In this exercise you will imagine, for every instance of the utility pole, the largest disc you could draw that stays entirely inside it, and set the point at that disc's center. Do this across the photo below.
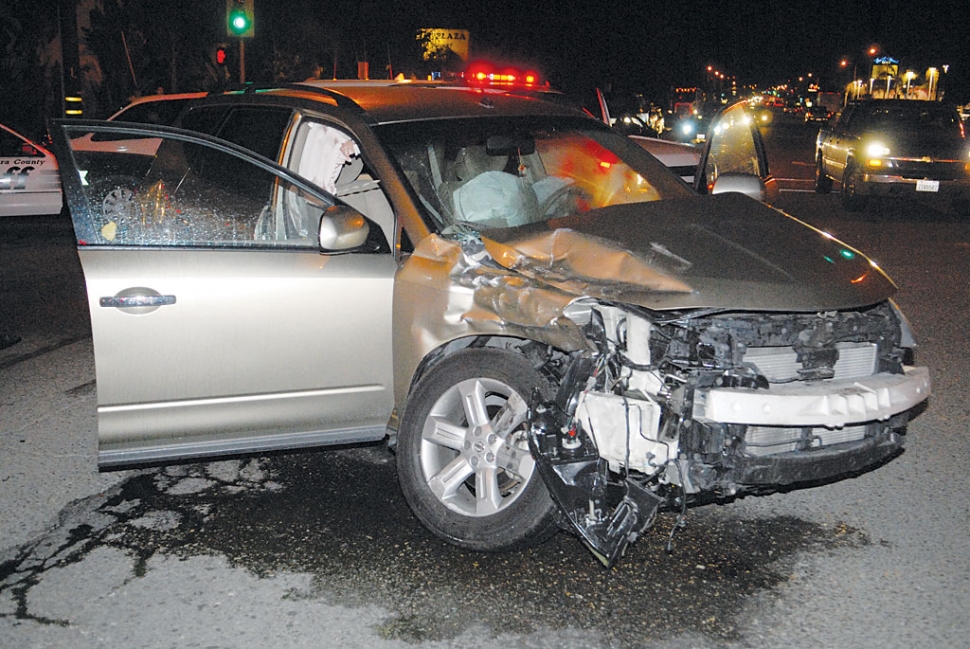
(71, 101)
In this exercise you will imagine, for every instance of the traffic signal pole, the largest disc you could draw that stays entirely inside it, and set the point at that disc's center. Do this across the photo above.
(240, 23)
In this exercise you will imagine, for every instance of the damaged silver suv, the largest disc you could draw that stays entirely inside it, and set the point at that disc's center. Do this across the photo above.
(550, 328)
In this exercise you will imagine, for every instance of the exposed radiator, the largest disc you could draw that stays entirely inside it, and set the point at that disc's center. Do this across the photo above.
(769, 440)
(780, 363)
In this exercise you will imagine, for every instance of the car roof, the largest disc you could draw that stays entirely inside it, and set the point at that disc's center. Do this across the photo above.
(179, 98)
(390, 101)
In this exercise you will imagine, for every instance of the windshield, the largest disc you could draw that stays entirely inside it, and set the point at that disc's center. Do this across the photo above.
(915, 116)
(502, 172)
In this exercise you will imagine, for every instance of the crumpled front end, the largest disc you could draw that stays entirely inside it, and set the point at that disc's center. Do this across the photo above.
(686, 407)
(659, 408)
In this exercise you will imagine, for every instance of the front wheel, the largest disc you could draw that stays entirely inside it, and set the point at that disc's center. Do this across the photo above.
(852, 201)
(823, 184)
(463, 457)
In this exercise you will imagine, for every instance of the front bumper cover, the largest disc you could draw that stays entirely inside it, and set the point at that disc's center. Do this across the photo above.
(888, 185)
(831, 403)
(817, 465)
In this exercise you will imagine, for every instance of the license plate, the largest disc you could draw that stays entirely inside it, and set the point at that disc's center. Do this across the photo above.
(927, 185)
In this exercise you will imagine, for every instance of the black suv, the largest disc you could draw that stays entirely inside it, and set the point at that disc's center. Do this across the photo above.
(550, 327)
(895, 148)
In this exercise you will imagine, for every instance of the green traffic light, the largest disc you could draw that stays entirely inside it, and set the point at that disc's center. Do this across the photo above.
(239, 21)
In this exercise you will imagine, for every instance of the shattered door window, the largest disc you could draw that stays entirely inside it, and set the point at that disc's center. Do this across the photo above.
(192, 194)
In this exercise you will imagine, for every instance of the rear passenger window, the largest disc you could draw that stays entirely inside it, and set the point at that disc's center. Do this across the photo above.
(260, 129)
(206, 120)
(227, 172)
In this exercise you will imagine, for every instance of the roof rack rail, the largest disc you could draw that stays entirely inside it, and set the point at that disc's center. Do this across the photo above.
(343, 101)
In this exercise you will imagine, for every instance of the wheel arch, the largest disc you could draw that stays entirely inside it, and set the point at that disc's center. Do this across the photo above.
(514, 344)
(482, 493)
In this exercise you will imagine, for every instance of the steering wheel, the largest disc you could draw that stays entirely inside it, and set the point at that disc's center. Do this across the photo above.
(572, 190)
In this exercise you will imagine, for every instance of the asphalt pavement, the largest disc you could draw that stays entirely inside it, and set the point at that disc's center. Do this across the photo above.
(319, 550)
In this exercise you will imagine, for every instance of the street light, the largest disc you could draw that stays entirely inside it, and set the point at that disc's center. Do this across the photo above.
(931, 75)
(909, 76)
(853, 60)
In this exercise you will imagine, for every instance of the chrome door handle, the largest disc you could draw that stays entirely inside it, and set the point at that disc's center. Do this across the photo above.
(135, 301)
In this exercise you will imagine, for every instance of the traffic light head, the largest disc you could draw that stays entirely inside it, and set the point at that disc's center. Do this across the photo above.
(239, 18)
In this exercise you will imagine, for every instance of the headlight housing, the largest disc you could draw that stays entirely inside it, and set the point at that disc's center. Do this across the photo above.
(877, 150)
(877, 155)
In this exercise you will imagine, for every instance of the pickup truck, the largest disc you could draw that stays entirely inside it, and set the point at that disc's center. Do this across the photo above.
(898, 148)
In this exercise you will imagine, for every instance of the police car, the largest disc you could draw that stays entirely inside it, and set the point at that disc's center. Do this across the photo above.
(29, 180)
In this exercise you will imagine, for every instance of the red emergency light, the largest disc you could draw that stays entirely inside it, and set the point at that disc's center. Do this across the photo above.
(485, 75)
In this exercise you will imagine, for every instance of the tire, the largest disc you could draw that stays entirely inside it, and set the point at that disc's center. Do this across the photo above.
(851, 200)
(443, 468)
(823, 184)
(113, 201)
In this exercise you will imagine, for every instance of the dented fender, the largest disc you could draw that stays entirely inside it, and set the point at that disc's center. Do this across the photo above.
(446, 290)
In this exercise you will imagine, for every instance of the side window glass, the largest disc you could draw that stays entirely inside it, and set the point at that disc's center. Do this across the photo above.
(732, 147)
(259, 129)
(195, 195)
(846, 120)
(12, 146)
(161, 112)
(206, 119)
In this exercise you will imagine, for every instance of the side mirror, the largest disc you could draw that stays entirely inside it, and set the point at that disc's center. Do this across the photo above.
(747, 184)
(343, 228)
(734, 157)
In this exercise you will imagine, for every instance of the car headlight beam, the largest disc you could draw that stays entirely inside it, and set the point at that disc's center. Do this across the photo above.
(877, 150)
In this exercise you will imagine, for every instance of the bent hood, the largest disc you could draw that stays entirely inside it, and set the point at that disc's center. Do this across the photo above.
(726, 251)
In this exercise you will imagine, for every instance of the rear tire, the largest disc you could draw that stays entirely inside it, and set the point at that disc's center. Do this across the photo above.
(851, 200)
(466, 471)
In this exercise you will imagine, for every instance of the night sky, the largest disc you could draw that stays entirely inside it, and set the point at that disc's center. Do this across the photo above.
(649, 46)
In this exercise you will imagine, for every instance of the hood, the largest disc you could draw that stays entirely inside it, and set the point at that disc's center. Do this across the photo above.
(726, 251)
(932, 144)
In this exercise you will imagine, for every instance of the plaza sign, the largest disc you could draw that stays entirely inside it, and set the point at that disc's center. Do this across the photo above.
(438, 39)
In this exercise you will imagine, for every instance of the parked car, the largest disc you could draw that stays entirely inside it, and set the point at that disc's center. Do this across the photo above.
(151, 109)
(114, 190)
(29, 181)
(900, 148)
(818, 114)
(547, 325)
